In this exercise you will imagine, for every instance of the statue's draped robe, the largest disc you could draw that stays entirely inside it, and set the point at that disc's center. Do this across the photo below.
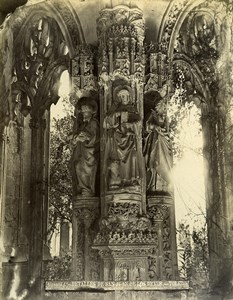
(85, 157)
(122, 143)
(157, 152)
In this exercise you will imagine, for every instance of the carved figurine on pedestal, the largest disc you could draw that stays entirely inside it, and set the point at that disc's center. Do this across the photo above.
(157, 151)
(85, 156)
(122, 149)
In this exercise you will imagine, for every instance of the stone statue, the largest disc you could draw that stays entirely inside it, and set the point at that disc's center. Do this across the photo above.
(122, 146)
(85, 156)
(157, 151)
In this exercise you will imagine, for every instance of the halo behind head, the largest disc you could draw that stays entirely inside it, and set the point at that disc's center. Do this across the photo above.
(123, 92)
(123, 89)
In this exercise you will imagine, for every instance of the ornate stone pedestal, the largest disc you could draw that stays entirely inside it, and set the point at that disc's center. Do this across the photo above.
(160, 210)
(85, 260)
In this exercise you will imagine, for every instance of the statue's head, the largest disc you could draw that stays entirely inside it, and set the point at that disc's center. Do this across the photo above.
(124, 97)
(87, 110)
(161, 108)
(86, 106)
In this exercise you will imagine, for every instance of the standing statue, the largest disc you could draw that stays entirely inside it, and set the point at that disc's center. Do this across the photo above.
(157, 151)
(85, 156)
(122, 153)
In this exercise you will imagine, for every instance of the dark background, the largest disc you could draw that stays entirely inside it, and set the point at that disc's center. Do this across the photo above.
(8, 6)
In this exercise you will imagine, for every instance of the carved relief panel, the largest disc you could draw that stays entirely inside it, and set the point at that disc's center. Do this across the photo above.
(86, 261)
(162, 262)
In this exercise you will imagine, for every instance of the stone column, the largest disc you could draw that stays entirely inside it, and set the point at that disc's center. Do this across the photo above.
(85, 260)
(64, 238)
(158, 158)
(37, 206)
(85, 166)
(213, 202)
(121, 73)
(225, 142)
(126, 237)
(3, 159)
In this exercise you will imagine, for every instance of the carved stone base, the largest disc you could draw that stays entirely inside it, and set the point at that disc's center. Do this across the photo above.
(85, 260)
(110, 290)
(125, 263)
(163, 262)
(124, 245)
(116, 286)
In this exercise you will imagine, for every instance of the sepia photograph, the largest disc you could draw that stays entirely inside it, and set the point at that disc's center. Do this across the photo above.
(116, 150)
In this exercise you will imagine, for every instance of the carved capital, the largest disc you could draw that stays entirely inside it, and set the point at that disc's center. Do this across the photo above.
(4, 137)
(121, 20)
(86, 215)
(211, 117)
(36, 123)
(158, 212)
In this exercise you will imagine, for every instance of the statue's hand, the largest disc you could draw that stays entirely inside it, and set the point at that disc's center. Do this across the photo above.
(82, 137)
(124, 117)
(130, 133)
(117, 114)
(74, 140)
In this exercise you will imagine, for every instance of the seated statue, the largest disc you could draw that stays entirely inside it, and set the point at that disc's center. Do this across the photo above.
(85, 157)
(122, 148)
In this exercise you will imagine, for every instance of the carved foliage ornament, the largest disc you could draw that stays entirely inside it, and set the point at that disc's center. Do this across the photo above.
(79, 254)
(40, 57)
(70, 19)
(170, 21)
(159, 73)
(128, 19)
(158, 212)
(119, 224)
(121, 34)
(200, 44)
(82, 69)
(188, 79)
(86, 214)
(126, 209)
(141, 251)
(126, 237)
(167, 265)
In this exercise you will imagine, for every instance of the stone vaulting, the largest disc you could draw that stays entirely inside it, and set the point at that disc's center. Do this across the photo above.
(126, 60)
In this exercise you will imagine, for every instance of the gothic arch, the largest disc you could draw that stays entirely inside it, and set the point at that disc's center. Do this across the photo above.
(62, 13)
(44, 40)
(23, 21)
(190, 19)
(172, 21)
(196, 77)
(199, 22)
